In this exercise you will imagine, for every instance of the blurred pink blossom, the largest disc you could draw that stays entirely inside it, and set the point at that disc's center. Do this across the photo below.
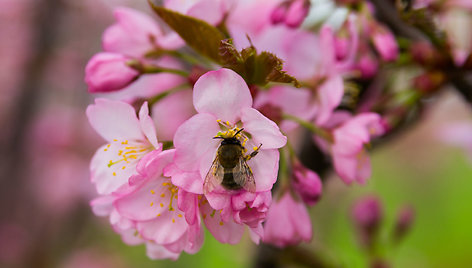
(306, 183)
(350, 158)
(288, 222)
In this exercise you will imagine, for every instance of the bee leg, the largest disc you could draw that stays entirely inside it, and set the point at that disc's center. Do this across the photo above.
(254, 153)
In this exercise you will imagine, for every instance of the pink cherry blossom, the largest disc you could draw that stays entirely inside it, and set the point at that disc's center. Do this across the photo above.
(135, 34)
(107, 72)
(288, 222)
(147, 210)
(129, 139)
(223, 102)
(350, 159)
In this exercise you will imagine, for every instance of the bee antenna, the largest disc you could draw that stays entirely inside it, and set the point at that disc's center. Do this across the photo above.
(218, 137)
(238, 132)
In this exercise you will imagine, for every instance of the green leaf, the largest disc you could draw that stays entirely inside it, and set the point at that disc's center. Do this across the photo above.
(258, 69)
(198, 34)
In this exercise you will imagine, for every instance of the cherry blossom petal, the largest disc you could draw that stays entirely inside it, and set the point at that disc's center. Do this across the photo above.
(222, 93)
(147, 124)
(194, 138)
(330, 94)
(131, 34)
(265, 166)
(114, 120)
(165, 229)
(225, 232)
(262, 129)
(157, 252)
(190, 181)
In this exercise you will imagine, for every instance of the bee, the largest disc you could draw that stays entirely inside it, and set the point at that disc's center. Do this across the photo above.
(230, 169)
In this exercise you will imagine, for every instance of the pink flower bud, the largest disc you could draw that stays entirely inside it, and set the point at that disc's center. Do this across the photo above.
(107, 72)
(403, 223)
(385, 43)
(367, 215)
(296, 13)
(307, 183)
(278, 14)
(368, 66)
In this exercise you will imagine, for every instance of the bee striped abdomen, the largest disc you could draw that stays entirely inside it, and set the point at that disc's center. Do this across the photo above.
(229, 182)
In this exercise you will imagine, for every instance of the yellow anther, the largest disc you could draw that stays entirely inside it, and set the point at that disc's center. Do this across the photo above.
(152, 204)
(105, 149)
(108, 145)
(163, 195)
(120, 152)
(221, 223)
(158, 215)
(123, 167)
(124, 142)
(213, 213)
(180, 216)
(115, 140)
(114, 173)
(162, 205)
(204, 216)
(218, 120)
(153, 192)
(227, 122)
(165, 183)
(255, 148)
(173, 220)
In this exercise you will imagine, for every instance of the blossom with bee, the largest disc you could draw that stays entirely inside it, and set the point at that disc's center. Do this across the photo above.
(129, 139)
(224, 105)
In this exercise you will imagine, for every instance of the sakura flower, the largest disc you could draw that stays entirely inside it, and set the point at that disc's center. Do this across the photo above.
(351, 161)
(147, 210)
(154, 207)
(129, 139)
(288, 222)
(108, 72)
(135, 34)
(223, 102)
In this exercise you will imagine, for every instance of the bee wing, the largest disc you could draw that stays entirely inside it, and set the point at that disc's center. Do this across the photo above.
(214, 176)
(243, 176)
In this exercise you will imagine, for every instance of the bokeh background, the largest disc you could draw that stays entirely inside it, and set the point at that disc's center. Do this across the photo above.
(46, 145)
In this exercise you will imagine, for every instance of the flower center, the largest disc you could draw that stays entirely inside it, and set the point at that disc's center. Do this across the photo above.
(125, 153)
(163, 196)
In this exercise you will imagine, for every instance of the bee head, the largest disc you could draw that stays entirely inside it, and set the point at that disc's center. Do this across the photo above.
(223, 136)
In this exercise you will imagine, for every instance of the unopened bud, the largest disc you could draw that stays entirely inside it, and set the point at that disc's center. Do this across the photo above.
(367, 214)
(306, 183)
(297, 13)
(403, 223)
(107, 72)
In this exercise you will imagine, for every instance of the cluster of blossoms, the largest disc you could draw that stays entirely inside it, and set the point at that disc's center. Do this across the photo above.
(162, 175)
